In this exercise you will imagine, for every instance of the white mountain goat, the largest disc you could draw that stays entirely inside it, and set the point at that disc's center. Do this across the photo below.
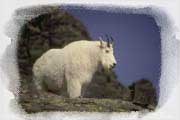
(75, 64)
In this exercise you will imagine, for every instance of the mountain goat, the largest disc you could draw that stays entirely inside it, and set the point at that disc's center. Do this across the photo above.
(75, 64)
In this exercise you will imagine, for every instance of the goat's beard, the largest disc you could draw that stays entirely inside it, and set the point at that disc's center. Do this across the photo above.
(106, 70)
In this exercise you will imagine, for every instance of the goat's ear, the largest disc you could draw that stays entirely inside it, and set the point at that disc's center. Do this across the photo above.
(101, 42)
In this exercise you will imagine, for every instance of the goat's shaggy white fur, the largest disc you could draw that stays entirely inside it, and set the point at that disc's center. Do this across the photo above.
(75, 64)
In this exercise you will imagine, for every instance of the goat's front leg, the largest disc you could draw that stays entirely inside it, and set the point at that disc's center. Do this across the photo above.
(74, 88)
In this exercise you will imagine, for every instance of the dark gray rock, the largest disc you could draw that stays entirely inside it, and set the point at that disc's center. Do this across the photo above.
(143, 93)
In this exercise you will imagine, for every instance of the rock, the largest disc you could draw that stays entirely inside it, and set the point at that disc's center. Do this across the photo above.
(80, 105)
(143, 93)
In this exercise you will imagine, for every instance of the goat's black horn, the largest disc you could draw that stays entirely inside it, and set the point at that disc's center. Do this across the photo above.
(112, 40)
(108, 42)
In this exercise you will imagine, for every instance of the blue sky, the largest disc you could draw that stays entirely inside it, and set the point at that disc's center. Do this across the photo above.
(137, 41)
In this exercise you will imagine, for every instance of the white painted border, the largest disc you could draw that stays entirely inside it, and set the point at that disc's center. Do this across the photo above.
(169, 80)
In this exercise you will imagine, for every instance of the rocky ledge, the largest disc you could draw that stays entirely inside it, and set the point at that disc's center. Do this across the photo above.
(80, 104)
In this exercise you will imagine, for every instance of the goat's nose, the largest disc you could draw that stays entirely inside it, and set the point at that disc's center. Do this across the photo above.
(114, 64)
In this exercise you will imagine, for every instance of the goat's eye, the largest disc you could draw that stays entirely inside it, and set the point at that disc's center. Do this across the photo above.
(107, 51)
